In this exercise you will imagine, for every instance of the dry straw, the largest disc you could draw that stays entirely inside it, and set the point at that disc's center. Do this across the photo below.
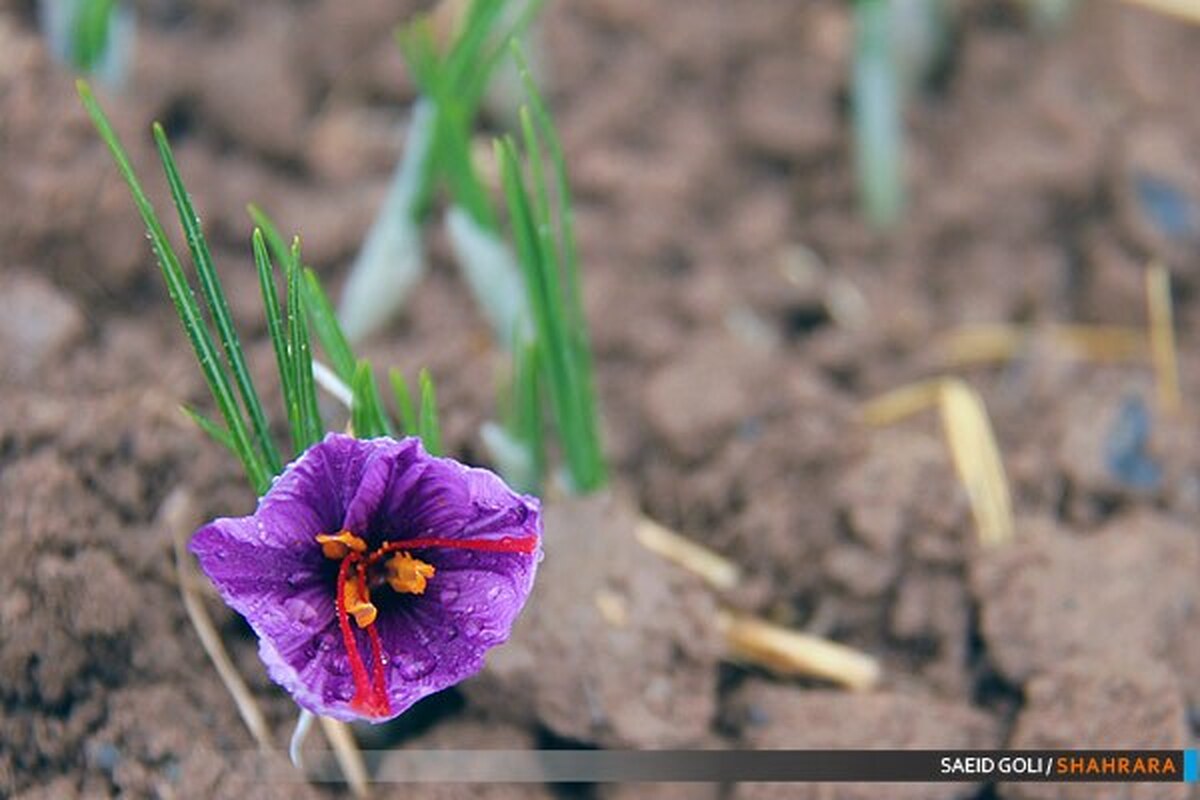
(972, 443)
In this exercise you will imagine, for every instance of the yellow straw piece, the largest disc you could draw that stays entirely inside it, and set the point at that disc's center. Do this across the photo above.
(794, 654)
(977, 460)
(1101, 342)
(991, 343)
(1162, 337)
(716, 570)
(976, 344)
(348, 756)
(900, 403)
(1186, 10)
(972, 444)
(178, 515)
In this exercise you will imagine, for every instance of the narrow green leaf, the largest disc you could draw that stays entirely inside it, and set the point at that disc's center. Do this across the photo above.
(90, 32)
(404, 403)
(320, 310)
(185, 303)
(218, 305)
(487, 64)
(278, 332)
(214, 431)
(566, 216)
(278, 246)
(329, 330)
(526, 422)
(301, 353)
(366, 412)
(428, 427)
(544, 305)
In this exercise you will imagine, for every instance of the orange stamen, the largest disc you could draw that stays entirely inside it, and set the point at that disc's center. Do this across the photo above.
(337, 546)
(358, 602)
(408, 575)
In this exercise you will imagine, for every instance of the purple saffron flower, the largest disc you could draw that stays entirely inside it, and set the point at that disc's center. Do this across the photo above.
(375, 574)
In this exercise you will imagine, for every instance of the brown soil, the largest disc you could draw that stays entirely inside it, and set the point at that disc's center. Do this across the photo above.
(741, 313)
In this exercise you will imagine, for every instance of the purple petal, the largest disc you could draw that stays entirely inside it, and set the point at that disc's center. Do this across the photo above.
(393, 470)
(313, 493)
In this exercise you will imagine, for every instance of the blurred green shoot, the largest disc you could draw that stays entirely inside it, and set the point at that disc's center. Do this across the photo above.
(451, 81)
(244, 428)
(878, 128)
(454, 80)
(518, 445)
(898, 46)
(89, 33)
(93, 36)
(423, 421)
(542, 223)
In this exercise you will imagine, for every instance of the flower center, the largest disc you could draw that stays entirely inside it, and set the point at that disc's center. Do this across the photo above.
(406, 575)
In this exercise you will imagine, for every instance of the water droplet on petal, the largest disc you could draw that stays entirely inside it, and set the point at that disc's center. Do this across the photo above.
(297, 578)
(300, 610)
(471, 627)
(415, 667)
(448, 594)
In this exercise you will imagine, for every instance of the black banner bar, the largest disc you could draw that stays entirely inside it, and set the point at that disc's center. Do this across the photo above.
(730, 766)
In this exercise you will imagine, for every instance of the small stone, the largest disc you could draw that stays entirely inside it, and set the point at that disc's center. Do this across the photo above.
(38, 323)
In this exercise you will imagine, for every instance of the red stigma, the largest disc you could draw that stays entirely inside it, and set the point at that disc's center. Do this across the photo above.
(370, 700)
(505, 544)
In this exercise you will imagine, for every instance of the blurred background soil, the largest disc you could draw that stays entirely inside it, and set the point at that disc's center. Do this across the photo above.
(741, 313)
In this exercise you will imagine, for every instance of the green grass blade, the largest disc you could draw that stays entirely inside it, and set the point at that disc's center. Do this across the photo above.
(280, 251)
(366, 412)
(404, 403)
(542, 304)
(526, 422)
(218, 305)
(329, 330)
(428, 427)
(278, 333)
(477, 83)
(568, 252)
(320, 310)
(214, 431)
(185, 303)
(301, 352)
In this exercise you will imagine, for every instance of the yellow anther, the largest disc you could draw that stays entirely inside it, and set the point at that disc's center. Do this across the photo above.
(408, 575)
(363, 611)
(338, 545)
